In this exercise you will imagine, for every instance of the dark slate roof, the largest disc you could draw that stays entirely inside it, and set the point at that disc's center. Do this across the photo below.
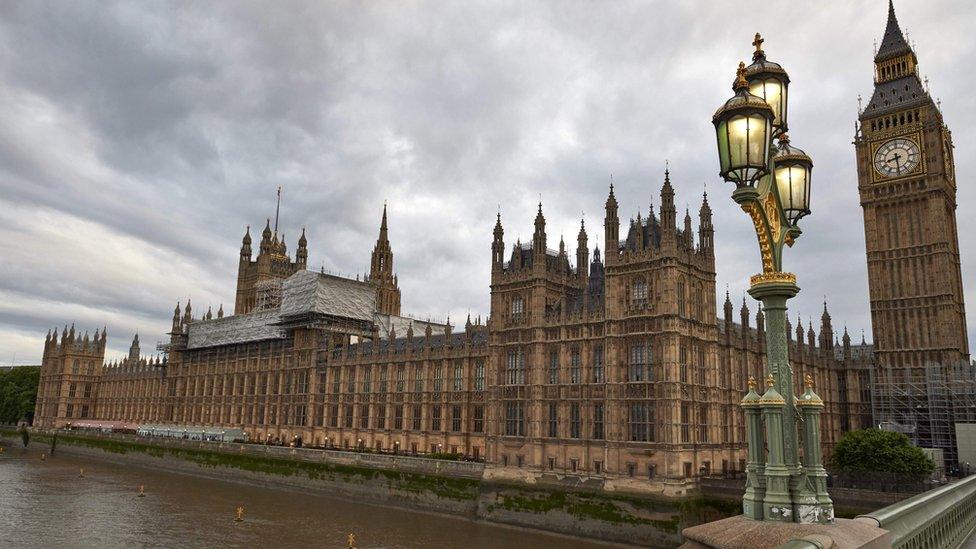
(893, 42)
(309, 292)
(898, 94)
(479, 337)
(256, 326)
(401, 324)
(651, 233)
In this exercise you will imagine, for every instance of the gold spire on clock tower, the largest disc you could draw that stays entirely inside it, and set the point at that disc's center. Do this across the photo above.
(907, 188)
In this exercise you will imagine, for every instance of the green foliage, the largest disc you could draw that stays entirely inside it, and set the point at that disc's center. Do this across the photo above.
(18, 392)
(877, 451)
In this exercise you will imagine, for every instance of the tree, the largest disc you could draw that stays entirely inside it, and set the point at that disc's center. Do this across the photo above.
(18, 393)
(874, 450)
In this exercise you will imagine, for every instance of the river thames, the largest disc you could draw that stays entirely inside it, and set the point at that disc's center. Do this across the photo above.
(47, 504)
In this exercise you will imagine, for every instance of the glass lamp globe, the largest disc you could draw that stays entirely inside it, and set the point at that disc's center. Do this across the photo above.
(792, 169)
(743, 127)
(769, 81)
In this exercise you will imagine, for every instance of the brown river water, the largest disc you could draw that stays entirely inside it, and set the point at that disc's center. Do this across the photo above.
(46, 504)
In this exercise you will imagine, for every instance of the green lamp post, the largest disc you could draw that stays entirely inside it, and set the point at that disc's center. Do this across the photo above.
(772, 185)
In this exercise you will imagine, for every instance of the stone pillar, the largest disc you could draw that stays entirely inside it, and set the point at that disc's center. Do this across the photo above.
(813, 504)
(752, 501)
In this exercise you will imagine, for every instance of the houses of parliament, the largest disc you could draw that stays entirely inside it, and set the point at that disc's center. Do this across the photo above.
(621, 366)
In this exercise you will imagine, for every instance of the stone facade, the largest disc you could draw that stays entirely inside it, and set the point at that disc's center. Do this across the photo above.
(907, 185)
(619, 370)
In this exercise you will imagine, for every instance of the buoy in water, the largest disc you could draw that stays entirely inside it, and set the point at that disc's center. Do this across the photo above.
(81, 473)
(240, 515)
(142, 491)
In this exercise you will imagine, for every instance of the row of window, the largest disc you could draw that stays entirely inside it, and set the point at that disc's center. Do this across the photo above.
(639, 367)
(437, 384)
(640, 422)
(435, 421)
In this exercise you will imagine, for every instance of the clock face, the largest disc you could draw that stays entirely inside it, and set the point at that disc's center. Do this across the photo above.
(897, 157)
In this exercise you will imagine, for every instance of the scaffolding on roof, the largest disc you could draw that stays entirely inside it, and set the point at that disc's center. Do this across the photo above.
(925, 404)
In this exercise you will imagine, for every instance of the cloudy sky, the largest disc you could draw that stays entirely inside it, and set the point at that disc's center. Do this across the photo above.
(137, 140)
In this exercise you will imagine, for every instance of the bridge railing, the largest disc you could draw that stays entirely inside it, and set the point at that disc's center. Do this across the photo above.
(943, 517)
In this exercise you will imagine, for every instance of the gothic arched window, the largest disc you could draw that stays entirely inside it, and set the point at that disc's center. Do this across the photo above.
(681, 297)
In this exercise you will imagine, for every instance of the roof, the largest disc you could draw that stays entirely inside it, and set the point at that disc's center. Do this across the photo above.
(893, 42)
(479, 337)
(303, 293)
(229, 330)
(308, 292)
(401, 324)
(902, 93)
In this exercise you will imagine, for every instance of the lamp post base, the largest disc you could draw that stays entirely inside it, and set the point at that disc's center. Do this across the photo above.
(740, 532)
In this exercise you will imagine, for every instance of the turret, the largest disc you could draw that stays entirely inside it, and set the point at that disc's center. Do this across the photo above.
(177, 322)
(246, 245)
(744, 317)
(266, 239)
(826, 331)
(799, 331)
(301, 254)
(688, 233)
(668, 212)
(847, 344)
(595, 283)
(381, 272)
(187, 314)
(134, 349)
(220, 311)
(611, 229)
(539, 239)
(706, 232)
(498, 245)
(582, 252)
(728, 309)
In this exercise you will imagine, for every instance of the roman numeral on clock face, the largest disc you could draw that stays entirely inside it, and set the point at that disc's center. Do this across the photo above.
(897, 157)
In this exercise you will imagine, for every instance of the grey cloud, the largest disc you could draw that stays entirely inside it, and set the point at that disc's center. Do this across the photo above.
(157, 132)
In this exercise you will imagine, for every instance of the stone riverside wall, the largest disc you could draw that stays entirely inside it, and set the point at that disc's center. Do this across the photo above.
(848, 502)
(452, 487)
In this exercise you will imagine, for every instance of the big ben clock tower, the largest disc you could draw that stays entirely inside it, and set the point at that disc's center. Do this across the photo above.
(907, 186)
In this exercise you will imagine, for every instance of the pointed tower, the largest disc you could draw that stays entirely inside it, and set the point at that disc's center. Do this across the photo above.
(539, 239)
(688, 233)
(706, 232)
(381, 273)
(669, 215)
(177, 321)
(498, 246)
(134, 349)
(266, 239)
(826, 331)
(246, 246)
(907, 186)
(582, 252)
(611, 230)
(301, 254)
